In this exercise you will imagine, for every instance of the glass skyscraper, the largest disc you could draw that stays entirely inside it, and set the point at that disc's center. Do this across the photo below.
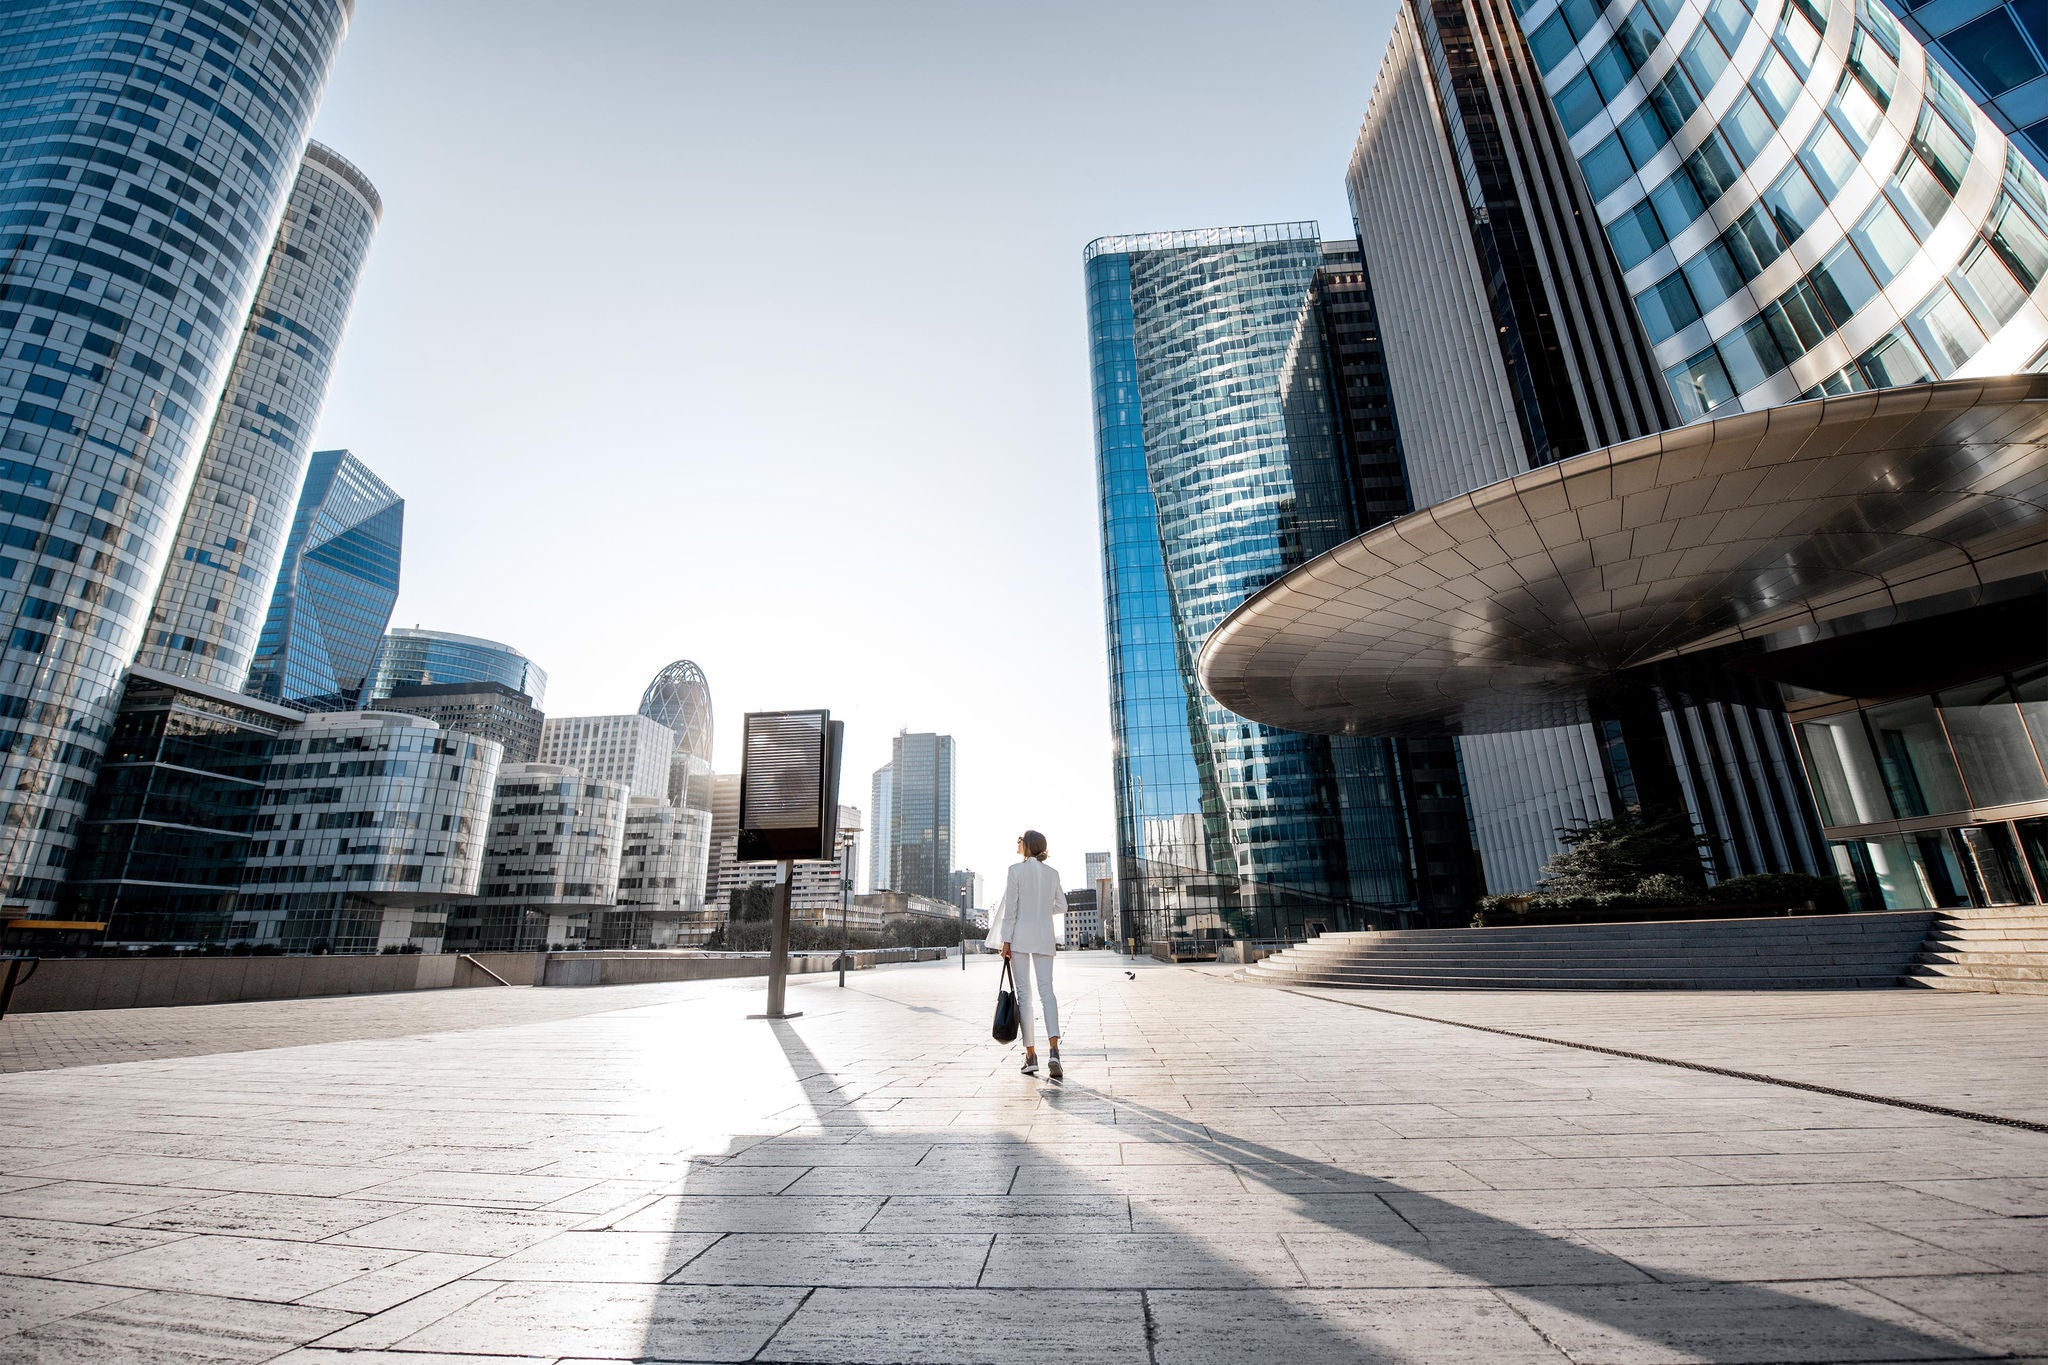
(411, 657)
(921, 815)
(146, 154)
(225, 560)
(1222, 823)
(336, 589)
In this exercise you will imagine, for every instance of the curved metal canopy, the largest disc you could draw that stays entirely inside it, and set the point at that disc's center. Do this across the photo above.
(1498, 610)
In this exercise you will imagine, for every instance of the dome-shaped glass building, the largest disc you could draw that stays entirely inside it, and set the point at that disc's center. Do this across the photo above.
(680, 698)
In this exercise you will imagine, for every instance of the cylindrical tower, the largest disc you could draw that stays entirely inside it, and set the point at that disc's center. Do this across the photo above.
(217, 585)
(411, 657)
(146, 166)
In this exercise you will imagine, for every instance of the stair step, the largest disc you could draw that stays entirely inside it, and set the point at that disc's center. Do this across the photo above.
(1977, 985)
(1989, 971)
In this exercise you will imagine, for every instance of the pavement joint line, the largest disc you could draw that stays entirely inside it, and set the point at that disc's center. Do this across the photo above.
(1972, 1115)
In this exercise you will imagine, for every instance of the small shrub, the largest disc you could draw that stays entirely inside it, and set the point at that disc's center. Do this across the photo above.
(1789, 889)
(1665, 889)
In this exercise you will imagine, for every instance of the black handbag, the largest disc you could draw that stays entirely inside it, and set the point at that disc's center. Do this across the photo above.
(1005, 1028)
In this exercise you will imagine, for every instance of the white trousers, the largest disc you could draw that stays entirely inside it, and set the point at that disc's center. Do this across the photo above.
(1027, 968)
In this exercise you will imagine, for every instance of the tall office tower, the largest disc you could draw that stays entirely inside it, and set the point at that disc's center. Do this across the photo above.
(965, 888)
(225, 559)
(680, 698)
(881, 830)
(1998, 54)
(1203, 500)
(921, 814)
(335, 590)
(487, 710)
(409, 656)
(143, 199)
(631, 750)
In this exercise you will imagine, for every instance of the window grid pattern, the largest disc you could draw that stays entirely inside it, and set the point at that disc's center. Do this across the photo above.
(147, 155)
(1787, 227)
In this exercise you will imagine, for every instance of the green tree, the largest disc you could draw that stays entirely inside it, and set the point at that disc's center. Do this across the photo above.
(751, 903)
(1614, 857)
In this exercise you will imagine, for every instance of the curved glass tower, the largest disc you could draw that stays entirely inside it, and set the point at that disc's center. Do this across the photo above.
(1206, 498)
(410, 657)
(231, 540)
(148, 152)
(1802, 202)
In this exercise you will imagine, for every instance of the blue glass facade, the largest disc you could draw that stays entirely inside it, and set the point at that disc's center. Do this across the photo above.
(410, 657)
(146, 152)
(1998, 52)
(1221, 823)
(336, 590)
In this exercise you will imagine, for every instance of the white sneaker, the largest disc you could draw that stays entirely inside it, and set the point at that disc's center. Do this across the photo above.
(1030, 1067)
(1053, 1068)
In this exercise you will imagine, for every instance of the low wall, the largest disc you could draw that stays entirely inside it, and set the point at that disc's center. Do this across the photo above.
(115, 983)
(634, 968)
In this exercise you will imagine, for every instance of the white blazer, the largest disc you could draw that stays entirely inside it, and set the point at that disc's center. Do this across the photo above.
(1023, 918)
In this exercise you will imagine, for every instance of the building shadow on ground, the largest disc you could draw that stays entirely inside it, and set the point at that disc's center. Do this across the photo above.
(1310, 1263)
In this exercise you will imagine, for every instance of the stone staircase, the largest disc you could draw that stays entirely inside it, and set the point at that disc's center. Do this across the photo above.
(2002, 950)
(1804, 952)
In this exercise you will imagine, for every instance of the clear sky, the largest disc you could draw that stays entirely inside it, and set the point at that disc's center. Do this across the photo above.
(753, 332)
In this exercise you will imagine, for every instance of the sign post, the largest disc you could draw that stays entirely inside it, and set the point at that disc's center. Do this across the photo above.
(789, 812)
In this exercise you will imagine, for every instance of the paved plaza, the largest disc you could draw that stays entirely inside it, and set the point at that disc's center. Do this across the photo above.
(1230, 1173)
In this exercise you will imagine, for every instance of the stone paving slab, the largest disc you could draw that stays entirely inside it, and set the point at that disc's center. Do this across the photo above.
(1230, 1173)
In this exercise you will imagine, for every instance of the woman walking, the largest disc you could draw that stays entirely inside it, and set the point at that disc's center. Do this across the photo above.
(1023, 925)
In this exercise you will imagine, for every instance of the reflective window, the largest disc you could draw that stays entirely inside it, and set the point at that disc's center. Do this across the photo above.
(1913, 754)
(2031, 690)
(1606, 168)
(1945, 153)
(1997, 759)
(1793, 203)
(1886, 245)
(1677, 202)
(1875, 68)
(1714, 277)
(2020, 242)
(1799, 39)
(1552, 42)
(1829, 159)
(1893, 361)
(1579, 102)
(1843, 770)
(1751, 355)
(1699, 385)
(1882, 874)
(1635, 235)
(1943, 90)
(1704, 60)
(1776, 85)
(1747, 129)
(1919, 196)
(1843, 284)
(1855, 113)
(1729, 20)
(1987, 288)
(1611, 69)
(1989, 48)
(1947, 334)
(1667, 307)
(1991, 865)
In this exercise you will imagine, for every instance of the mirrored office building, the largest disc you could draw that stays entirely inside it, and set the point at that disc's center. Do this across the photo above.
(410, 656)
(144, 200)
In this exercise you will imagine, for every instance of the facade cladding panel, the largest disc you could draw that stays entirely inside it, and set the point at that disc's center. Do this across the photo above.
(1998, 53)
(410, 656)
(1215, 478)
(335, 590)
(230, 543)
(551, 862)
(366, 819)
(921, 814)
(1804, 203)
(139, 207)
